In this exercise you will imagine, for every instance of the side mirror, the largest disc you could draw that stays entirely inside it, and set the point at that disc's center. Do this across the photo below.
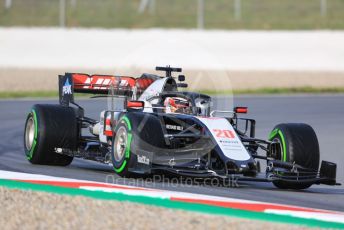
(135, 104)
(181, 78)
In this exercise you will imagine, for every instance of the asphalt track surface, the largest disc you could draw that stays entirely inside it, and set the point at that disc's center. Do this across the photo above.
(324, 112)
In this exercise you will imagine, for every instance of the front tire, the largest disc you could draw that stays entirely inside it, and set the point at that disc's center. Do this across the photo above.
(48, 127)
(125, 149)
(299, 144)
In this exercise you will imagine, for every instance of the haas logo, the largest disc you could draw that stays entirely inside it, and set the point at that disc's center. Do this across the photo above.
(221, 133)
(67, 88)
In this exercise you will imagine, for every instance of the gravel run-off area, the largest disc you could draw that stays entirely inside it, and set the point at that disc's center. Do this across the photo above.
(42, 210)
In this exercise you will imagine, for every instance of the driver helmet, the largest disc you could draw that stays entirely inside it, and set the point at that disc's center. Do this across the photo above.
(177, 105)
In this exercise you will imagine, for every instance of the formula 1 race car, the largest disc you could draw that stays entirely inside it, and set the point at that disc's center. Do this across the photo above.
(154, 126)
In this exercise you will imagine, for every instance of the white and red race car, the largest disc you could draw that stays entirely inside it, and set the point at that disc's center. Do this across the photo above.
(153, 126)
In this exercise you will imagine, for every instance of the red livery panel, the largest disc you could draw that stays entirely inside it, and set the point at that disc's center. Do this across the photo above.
(84, 83)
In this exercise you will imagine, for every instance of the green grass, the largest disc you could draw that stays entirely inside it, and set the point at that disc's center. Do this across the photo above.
(219, 14)
(37, 94)
(299, 90)
(28, 94)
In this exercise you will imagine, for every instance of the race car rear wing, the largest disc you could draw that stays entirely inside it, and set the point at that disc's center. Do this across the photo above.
(71, 83)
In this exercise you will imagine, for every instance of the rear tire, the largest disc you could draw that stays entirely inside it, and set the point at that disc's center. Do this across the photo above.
(48, 127)
(299, 144)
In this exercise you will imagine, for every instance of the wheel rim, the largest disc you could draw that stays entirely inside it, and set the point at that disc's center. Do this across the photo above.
(281, 148)
(29, 133)
(120, 144)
